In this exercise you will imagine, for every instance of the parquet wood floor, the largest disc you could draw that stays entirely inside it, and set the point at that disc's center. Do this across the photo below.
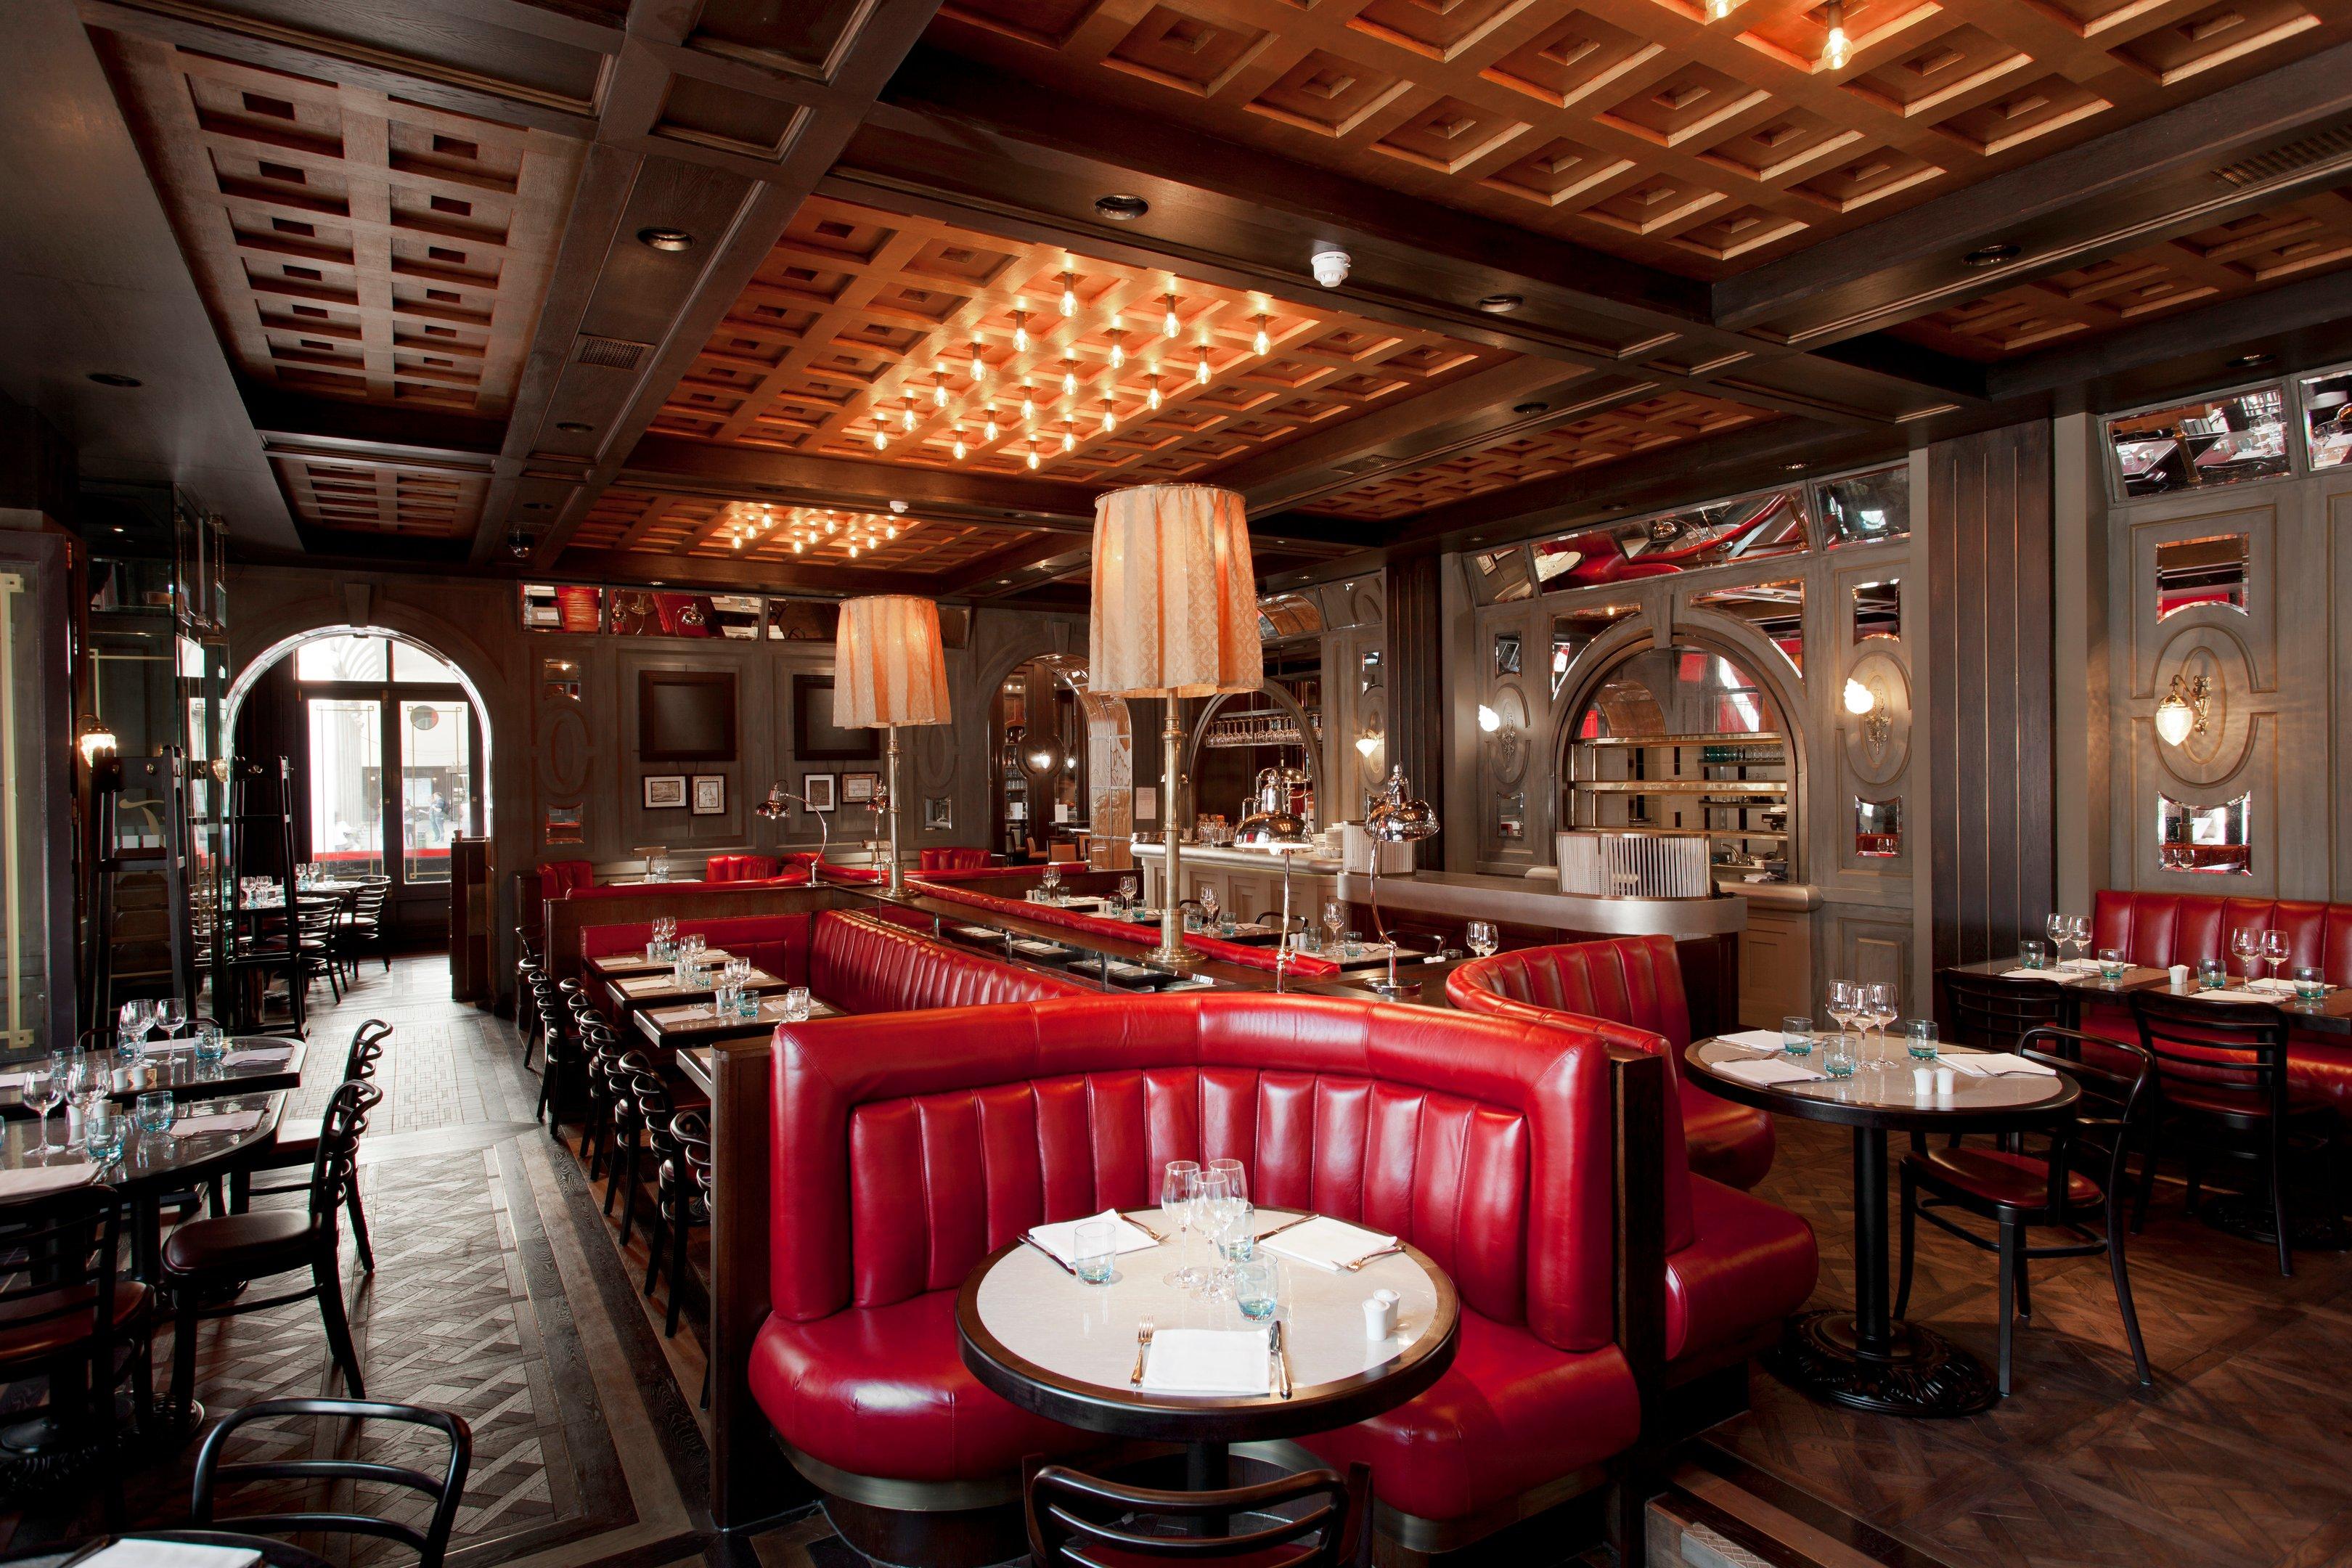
(2234, 1457)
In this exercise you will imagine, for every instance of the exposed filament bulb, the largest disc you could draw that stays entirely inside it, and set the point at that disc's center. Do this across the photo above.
(1033, 454)
(1021, 332)
(906, 417)
(939, 393)
(979, 365)
(1069, 379)
(1835, 49)
(1111, 419)
(1153, 399)
(1168, 325)
(1118, 352)
(881, 442)
(959, 444)
(1069, 295)
(990, 425)
(1201, 371)
(1069, 438)
(1261, 343)
(1717, 10)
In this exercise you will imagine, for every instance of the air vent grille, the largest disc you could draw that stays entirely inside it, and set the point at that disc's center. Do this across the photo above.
(614, 353)
(2288, 159)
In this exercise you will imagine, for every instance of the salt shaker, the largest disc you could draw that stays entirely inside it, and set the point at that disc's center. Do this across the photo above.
(1381, 1315)
(1944, 1080)
(2180, 975)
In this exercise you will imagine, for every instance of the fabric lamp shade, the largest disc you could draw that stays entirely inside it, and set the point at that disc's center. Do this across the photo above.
(1175, 595)
(888, 664)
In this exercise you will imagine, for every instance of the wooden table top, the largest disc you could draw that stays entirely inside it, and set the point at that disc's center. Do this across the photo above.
(2330, 1015)
(693, 1023)
(189, 1078)
(641, 991)
(1889, 1098)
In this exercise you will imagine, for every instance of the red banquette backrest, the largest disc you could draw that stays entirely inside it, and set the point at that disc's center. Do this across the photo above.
(911, 1146)
(2163, 928)
(741, 867)
(777, 943)
(864, 964)
(956, 859)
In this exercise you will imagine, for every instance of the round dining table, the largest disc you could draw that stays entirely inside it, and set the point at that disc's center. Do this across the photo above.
(1051, 1343)
(1865, 1358)
(274, 1552)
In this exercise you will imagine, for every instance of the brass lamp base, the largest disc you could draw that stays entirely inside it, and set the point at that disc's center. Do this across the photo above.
(1171, 958)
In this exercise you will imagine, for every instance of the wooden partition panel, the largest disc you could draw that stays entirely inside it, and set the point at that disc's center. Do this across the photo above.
(1418, 694)
(1991, 711)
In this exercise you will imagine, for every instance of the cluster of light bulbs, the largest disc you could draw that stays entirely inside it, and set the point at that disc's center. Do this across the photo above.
(1836, 49)
(807, 528)
(1171, 326)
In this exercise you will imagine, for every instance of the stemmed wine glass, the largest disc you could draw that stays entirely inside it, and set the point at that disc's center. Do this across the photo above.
(135, 1017)
(1879, 1008)
(1179, 1195)
(1845, 1004)
(86, 1084)
(171, 1015)
(1335, 918)
(2078, 931)
(2275, 951)
(1127, 888)
(1226, 1187)
(2246, 944)
(2060, 931)
(1481, 938)
(44, 1086)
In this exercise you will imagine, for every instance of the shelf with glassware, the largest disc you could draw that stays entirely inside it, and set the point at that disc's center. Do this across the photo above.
(1731, 789)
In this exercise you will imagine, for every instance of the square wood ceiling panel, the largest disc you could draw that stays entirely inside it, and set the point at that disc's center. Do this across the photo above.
(1666, 420)
(701, 526)
(2241, 256)
(350, 244)
(894, 338)
(416, 500)
(1640, 127)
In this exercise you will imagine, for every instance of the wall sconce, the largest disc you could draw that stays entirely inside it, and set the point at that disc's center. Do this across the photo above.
(1367, 744)
(96, 740)
(1488, 719)
(1862, 703)
(2182, 712)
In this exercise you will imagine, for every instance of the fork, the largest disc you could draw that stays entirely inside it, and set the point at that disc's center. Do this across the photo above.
(1142, 1348)
(1369, 1257)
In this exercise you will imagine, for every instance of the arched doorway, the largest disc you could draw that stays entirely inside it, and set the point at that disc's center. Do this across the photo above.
(388, 752)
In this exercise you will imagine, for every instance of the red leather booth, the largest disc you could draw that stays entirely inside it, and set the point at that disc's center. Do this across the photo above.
(2160, 930)
(1634, 980)
(742, 867)
(956, 859)
(908, 1148)
(558, 877)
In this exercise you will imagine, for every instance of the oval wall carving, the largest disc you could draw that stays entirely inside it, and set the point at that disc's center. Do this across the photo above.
(2217, 750)
(1877, 743)
(563, 749)
(1509, 744)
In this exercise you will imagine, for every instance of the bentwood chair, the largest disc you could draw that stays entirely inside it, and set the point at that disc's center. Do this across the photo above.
(1993, 1015)
(681, 1151)
(361, 928)
(1077, 1521)
(207, 1259)
(65, 1314)
(2017, 1191)
(431, 1544)
(2222, 1089)
(294, 1150)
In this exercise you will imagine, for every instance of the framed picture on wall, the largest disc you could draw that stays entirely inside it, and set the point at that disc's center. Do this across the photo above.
(858, 789)
(939, 813)
(665, 792)
(817, 789)
(815, 737)
(686, 716)
(709, 795)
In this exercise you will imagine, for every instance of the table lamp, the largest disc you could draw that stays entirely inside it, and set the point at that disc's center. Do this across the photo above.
(1276, 829)
(1174, 615)
(780, 801)
(1398, 818)
(889, 668)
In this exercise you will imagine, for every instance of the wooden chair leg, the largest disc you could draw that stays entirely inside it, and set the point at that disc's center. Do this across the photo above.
(2278, 1195)
(184, 1345)
(655, 1233)
(681, 1228)
(2123, 1291)
(1910, 1233)
(359, 1226)
(329, 1281)
(2009, 1249)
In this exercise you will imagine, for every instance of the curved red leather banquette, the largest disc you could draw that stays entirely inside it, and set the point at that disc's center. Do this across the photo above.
(558, 877)
(908, 1148)
(1635, 979)
(741, 867)
(2160, 930)
(956, 859)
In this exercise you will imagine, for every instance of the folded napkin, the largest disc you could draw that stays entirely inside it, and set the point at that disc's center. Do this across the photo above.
(2280, 987)
(132, 1551)
(1995, 1064)
(2080, 965)
(1767, 1072)
(1061, 1240)
(1326, 1243)
(1752, 1039)
(1209, 1360)
(2233, 996)
(217, 1122)
(2033, 973)
(39, 1181)
(258, 1055)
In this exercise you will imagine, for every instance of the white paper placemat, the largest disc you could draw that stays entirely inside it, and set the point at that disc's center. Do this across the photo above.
(1326, 1243)
(1752, 1039)
(1768, 1072)
(37, 1181)
(217, 1122)
(1209, 1360)
(1995, 1064)
(1062, 1239)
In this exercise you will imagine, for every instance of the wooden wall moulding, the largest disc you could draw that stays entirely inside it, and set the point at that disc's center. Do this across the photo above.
(1639, 127)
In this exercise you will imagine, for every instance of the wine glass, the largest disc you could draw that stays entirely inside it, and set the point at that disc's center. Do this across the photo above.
(86, 1081)
(2274, 951)
(136, 1017)
(44, 1086)
(1180, 1187)
(1335, 918)
(1128, 889)
(2078, 931)
(171, 1015)
(2246, 945)
(1481, 938)
(2059, 930)
(1052, 879)
(1845, 1004)
(1878, 998)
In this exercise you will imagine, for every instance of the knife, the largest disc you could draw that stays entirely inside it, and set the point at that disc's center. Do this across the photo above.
(1285, 1224)
(1049, 1252)
(1281, 1360)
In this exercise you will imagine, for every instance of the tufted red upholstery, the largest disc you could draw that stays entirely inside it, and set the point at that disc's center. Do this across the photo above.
(1635, 979)
(741, 867)
(956, 859)
(861, 964)
(1734, 1265)
(558, 877)
(910, 1147)
(2163, 928)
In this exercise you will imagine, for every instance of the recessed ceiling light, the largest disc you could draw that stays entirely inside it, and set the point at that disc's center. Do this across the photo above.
(666, 238)
(899, 507)
(1993, 254)
(114, 378)
(1500, 304)
(2247, 361)
(1529, 407)
(1121, 208)
(573, 427)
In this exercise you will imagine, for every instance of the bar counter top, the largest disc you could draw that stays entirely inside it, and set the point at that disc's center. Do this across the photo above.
(1531, 901)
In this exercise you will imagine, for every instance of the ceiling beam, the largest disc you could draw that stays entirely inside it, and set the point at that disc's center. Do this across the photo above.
(637, 567)
(2131, 187)
(1028, 562)
(2199, 340)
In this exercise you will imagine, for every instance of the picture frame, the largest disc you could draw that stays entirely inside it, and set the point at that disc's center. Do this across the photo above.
(665, 792)
(939, 813)
(686, 716)
(858, 789)
(709, 795)
(817, 789)
(815, 738)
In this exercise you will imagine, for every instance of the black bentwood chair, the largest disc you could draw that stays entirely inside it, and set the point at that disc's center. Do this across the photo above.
(2017, 1190)
(1077, 1521)
(430, 1544)
(294, 1150)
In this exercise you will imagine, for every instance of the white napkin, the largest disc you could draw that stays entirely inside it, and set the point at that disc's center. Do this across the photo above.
(1995, 1064)
(2231, 996)
(1752, 1039)
(39, 1181)
(2282, 987)
(218, 1121)
(134, 1552)
(11, 1081)
(1326, 1243)
(1209, 1360)
(1767, 1072)
(2080, 965)
(1061, 1240)
(2031, 974)
(255, 1056)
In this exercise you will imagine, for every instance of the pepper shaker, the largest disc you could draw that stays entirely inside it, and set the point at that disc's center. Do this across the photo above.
(1381, 1315)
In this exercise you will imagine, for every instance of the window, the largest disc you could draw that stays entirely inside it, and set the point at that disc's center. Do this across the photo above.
(2328, 418)
(1865, 509)
(1573, 630)
(1776, 611)
(1753, 527)
(2210, 840)
(1877, 610)
(343, 659)
(2217, 441)
(2193, 572)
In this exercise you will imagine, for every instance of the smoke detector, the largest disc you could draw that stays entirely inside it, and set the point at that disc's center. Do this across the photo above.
(1330, 268)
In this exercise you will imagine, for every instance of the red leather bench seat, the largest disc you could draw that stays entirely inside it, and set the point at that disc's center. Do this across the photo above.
(955, 859)
(2160, 930)
(742, 868)
(909, 1148)
(1626, 980)
(862, 964)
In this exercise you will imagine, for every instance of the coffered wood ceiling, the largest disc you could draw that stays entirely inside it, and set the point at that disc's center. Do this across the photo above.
(1606, 254)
